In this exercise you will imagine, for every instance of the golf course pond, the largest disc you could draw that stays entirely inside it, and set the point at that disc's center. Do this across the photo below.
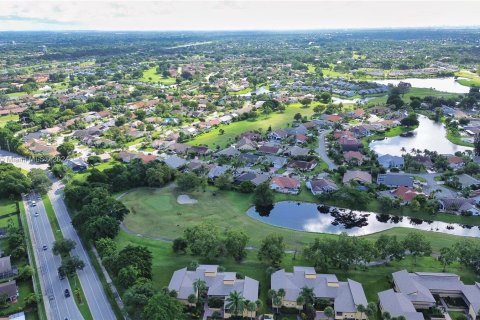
(312, 217)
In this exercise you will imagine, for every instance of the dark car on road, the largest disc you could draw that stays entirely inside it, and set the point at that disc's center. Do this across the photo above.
(67, 293)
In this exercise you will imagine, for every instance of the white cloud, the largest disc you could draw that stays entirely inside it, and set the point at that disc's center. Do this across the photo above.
(234, 15)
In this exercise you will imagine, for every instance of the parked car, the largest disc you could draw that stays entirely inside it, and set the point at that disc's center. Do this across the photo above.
(67, 293)
(44, 248)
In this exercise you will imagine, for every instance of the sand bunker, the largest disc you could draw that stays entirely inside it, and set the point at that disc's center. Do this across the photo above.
(185, 199)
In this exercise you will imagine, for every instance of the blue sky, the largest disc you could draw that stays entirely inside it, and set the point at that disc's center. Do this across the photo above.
(234, 15)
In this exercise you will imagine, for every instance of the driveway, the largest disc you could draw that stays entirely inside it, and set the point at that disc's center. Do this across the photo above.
(322, 150)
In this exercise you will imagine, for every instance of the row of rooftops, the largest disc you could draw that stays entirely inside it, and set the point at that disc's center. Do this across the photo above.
(416, 291)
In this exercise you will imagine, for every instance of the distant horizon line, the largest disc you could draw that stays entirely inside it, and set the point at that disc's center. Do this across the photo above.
(259, 30)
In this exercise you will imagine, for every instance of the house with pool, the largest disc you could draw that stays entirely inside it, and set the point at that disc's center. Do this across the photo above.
(423, 290)
(219, 286)
(343, 296)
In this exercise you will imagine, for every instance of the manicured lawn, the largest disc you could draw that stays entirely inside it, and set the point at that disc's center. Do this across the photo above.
(156, 213)
(234, 129)
(415, 92)
(7, 206)
(473, 79)
(151, 75)
(374, 279)
(5, 119)
(457, 139)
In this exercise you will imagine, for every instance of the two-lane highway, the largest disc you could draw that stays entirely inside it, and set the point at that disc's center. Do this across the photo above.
(61, 307)
(92, 287)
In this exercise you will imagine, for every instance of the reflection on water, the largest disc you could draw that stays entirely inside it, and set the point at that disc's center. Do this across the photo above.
(323, 219)
(440, 84)
(429, 135)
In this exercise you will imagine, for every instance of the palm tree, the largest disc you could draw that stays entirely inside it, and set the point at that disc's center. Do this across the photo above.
(252, 308)
(272, 293)
(386, 315)
(235, 303)
(361, 308)
(403, 149)
(199, 286)
(300, 302)
(281, 293)
(328, 312)
(277, 302)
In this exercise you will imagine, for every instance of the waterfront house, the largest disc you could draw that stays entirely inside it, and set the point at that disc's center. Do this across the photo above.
(388, 161)
(322, 185)
(285, 185)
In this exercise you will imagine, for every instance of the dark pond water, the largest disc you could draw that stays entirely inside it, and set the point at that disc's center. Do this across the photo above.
(313, 217)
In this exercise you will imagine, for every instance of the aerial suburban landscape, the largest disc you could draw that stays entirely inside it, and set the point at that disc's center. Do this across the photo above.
(330, 173)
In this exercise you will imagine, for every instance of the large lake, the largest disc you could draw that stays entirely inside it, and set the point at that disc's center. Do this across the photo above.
(440, 84)
(304, 216)
(429, 135)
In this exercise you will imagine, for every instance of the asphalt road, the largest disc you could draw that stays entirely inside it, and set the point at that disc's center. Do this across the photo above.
(92, 287)
(322, 150)
(60, 307)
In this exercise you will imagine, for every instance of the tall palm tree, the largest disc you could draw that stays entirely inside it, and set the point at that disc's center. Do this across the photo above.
(281, 293)
(277, 302)
(235, 303)
(307, 293)
(199, 286)
(192, 299)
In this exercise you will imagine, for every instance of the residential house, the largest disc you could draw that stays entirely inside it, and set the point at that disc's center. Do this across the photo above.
(458, 205)
(295, 151)
(6, 269)
(302, 165)
(174, 161)
(362, 177)
(285, 185)
(277, 161)
(77, 165)
(349, 143)
(10, 289)
(300, 138)
(420, 288)
(344, 296)
(178, 148)
(455, 162)
(322, 185)
(397, 304)
(268, 149)
(253, 177)
(219, 285)
(405, 194)
(353, 156)
(228, 152)
(395, 180)
(39, 147)
(127, 156)
(246, 144)
(217, 171)
(278, 135)
(388, 161)
(467, 181)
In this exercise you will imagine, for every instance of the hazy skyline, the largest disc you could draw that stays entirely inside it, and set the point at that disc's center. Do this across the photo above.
(234, 15)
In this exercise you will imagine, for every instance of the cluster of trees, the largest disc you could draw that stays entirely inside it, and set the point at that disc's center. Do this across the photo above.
(98, 213)
(134, 174)
(13, 182)
(206, 240)
(131, 268)
(465, 252)
(346, 252)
